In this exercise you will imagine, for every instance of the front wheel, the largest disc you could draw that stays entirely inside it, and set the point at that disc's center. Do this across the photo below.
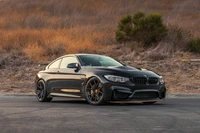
(94, 91)
(41, 92)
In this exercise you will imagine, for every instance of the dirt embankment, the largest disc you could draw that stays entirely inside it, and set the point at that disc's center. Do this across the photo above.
(181, 77)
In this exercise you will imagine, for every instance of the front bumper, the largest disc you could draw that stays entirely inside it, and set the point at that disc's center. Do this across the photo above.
(131, 92)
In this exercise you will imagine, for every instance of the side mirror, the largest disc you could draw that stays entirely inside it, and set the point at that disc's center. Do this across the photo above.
(73, 65)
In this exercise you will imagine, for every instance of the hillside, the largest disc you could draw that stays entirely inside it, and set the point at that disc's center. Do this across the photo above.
(34, 31)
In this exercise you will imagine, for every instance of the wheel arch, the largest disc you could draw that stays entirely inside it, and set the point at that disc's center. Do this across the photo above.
(92, 76)
(39, 78)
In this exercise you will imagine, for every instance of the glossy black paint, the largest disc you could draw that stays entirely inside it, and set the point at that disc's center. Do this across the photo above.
(71, 81)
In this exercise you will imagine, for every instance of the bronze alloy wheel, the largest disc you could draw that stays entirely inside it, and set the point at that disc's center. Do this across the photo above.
(94, 91)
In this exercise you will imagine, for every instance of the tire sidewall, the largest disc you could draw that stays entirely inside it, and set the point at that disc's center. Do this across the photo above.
(45, 91)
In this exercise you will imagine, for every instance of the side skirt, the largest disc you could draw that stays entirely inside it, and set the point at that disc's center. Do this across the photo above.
(64, 95)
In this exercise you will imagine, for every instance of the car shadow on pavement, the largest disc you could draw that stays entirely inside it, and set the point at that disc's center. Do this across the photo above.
(70, 101)
(84, 102)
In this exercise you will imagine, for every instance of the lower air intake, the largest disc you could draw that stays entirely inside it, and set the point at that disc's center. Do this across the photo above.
(145, 95)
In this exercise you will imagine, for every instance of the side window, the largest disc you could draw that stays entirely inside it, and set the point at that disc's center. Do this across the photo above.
(67, 60)
(55, 64)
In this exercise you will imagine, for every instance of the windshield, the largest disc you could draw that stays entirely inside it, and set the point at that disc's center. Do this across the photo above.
(98, 60)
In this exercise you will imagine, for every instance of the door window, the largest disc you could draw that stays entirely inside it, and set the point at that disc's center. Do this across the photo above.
(55, 64)
(68, 60)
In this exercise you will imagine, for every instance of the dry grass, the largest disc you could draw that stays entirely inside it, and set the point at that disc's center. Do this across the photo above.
(38, 30)
(40, 44)
(54, 27)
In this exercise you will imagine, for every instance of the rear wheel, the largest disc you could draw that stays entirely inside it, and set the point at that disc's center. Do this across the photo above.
(94, 91)
(41, 92)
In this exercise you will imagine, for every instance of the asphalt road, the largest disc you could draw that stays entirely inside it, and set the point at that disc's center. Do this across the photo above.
(23, 114)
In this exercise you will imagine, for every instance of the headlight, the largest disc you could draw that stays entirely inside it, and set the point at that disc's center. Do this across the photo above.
(116, 78)
(161, 80)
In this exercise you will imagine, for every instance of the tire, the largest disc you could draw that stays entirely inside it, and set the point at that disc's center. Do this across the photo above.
(94, 92)
(148, 103)
(41, 92)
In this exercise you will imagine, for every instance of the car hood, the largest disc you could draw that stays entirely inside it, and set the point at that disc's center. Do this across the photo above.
(126, 71)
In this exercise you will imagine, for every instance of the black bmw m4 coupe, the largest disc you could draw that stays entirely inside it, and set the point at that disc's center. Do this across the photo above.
(98, 79)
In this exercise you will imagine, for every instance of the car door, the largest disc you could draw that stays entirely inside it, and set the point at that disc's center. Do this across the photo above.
(69, 80)
(51, 75)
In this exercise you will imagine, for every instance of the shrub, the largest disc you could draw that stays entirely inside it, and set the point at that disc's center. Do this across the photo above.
(194, 45)
(175, 40)
(142, 28)
(124, 31)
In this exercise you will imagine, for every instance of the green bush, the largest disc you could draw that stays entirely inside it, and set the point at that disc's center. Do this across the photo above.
(194, 45)
(142, 28)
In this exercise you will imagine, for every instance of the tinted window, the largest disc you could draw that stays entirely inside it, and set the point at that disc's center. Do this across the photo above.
(68, 60)
(97, 60)
(55, 64)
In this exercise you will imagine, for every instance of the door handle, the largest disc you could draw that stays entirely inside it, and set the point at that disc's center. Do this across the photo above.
(58, 72)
